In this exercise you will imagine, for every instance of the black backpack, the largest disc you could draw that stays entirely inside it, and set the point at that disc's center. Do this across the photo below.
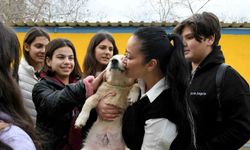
(219, 77)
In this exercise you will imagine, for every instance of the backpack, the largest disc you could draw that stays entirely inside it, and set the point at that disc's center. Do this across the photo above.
(219, 77)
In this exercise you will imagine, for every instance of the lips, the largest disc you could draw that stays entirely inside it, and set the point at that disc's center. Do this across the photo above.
(186, 51)
(41, 56)
(105, 58)
(66, 69)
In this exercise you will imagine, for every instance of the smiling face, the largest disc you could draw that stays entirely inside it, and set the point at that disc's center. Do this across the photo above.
(37, 50)
(62, 62)
(103, 52)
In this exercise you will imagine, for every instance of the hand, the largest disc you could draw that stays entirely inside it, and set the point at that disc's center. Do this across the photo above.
(107, 111)
(98, 80)
(91, 83)
(88, 85)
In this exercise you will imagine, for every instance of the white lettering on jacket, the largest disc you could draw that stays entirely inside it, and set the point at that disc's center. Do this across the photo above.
(198, 93)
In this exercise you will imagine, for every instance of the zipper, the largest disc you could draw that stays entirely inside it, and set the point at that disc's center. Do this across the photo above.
(192, 75)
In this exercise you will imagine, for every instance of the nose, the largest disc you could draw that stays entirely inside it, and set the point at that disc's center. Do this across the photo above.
(43, 49)
(67, 60)
(114, 61)
(108, 52)
(124, 61)
(184, 43)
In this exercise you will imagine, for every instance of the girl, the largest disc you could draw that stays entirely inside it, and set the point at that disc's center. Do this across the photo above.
(59, 92)
(16, 128)
(101, 48)
(34, 45)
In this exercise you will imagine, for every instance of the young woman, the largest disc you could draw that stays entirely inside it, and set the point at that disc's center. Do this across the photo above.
(34, 45)
(161, 118)
(101, 48)
(59, 92)
(16, 127)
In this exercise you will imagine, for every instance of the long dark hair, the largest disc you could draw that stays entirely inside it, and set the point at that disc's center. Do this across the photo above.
(30, 37)
(52, 47)
(90, 61)
(4, 146)
(168, 50)
(11, 102)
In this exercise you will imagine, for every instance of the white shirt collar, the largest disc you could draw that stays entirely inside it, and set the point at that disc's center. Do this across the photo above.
(155, 91)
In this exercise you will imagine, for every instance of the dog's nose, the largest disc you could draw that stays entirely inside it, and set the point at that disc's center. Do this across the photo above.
(114, 61)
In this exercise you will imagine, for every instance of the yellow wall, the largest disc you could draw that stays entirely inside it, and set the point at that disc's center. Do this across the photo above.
(236, 48)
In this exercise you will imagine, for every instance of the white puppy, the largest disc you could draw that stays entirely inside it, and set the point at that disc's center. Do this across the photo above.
(107, 135)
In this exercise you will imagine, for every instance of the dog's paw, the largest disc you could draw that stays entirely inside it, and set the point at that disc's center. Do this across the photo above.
(78, 123)
(81, 121)
(134, 94)
(132, 100)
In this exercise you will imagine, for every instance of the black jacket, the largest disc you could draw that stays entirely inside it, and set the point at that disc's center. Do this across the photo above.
(54, 103)
(234, 130)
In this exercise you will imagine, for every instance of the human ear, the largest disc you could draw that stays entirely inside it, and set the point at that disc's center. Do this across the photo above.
(26, 47)
(210, 40)
(152, 64)
(48, 61)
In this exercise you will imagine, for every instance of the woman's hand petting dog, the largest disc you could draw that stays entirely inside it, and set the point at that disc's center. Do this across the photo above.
(92, 83)
(107, 111)
(98, 80)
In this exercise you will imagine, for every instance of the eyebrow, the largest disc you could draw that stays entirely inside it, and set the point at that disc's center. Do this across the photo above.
(104, 45)
(188, 34)
(39, 44)
(64, 54)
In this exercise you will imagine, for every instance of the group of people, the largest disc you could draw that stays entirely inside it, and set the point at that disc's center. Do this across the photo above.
(41, 97)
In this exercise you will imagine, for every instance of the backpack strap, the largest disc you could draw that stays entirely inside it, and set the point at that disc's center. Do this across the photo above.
(219, 77)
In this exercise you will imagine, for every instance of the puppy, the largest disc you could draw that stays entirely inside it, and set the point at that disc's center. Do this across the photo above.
(107, 135)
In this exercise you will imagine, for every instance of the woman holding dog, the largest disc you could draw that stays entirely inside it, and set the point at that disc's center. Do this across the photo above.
(59, 92)
(161, 118)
